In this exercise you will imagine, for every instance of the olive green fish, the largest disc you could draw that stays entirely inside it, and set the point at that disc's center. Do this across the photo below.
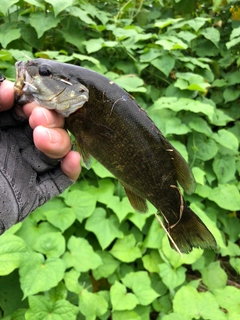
(109, 125)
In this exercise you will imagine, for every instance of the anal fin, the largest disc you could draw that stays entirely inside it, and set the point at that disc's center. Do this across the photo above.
(137, 202)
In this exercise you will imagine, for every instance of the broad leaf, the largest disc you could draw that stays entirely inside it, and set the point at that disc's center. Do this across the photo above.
(82, 203)
(196, 304)
(42, 22)
(126, 249)
(12, 250)
(42, 308)
(120, 299)
(105, 229)
(38, 274)
(92, 305)
(60, 5)
(81, 255)
(8, 33)
(226, 196)
(140, 284)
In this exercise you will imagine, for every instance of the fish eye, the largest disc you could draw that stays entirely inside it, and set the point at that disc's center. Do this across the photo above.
(45, 71)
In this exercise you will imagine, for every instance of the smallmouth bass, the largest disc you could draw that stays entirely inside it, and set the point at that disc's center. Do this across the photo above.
(109, 125)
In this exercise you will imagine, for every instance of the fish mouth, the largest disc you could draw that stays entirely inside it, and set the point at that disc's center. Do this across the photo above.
(23, 80)
(20, 77)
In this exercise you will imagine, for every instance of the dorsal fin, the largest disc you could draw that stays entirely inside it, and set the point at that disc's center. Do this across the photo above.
(184, 173)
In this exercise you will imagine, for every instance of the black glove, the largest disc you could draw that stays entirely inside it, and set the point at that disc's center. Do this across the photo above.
(28, 178)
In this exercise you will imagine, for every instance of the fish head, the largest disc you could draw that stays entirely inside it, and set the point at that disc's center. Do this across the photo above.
(50, 84)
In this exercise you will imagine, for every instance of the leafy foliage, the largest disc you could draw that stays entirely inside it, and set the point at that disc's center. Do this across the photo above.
(86, 254)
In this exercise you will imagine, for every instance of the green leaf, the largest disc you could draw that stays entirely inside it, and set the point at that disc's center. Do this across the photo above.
(100, 170)
(37, 3)
(5, 5)
(183, 104)
(11, 300)
(199, 175)
(226, 196)
(232, 42)
(214, 277)
(166, 22)
(38, 274)
(99, 222)
(107, 268)
(154, 235)
(150, 55)
(8, 33)
(81, 14)
(151, 261)
(51, 244)
(12, 249)
(194, 305)
(227, 139)
(131, 83)
(173, 256)
(105, 191)
(92, 305)
(175, 316)
(172, 278)
(200, 125)
(81, 255)
(121, 207)
(62, 218)
(224, 167)
(42, 22)
(235, 263)
(41, 308)
(187, 36)
(94, 45)
(231, 94)
(191, 81)
(31, 229)
(164, 63)
(140, 284)
(140, 219)
(228, 298)
(125, 249)
(197, 23)
(170, 43)
(81, 202)
(202, 147)
(83, 57)
(60, 5)
(212, 34)
(71, 279)
(120, 299)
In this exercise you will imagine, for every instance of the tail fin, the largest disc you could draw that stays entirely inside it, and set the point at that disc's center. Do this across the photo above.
(191, 232)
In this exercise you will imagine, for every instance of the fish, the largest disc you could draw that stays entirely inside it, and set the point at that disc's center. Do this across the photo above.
(109, 125)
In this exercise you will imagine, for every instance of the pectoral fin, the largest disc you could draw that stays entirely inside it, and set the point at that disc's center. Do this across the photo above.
(137, 202)
(86, 157)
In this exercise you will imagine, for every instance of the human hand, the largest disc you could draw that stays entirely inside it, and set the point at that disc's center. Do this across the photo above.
(48, 133)
(28, 177)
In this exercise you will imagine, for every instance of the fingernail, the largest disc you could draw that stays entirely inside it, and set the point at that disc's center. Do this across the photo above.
(54, 136)
(45, 115)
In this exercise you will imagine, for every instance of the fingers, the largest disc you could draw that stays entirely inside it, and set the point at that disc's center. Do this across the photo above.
(55, 143)
(42, 117)
(49, 135)
(6, 95)
(70, 165)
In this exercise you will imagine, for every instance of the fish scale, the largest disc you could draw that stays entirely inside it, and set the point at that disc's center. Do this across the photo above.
(109, 125)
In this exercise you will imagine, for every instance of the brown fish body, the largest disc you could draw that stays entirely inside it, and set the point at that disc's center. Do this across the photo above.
(112, 128)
